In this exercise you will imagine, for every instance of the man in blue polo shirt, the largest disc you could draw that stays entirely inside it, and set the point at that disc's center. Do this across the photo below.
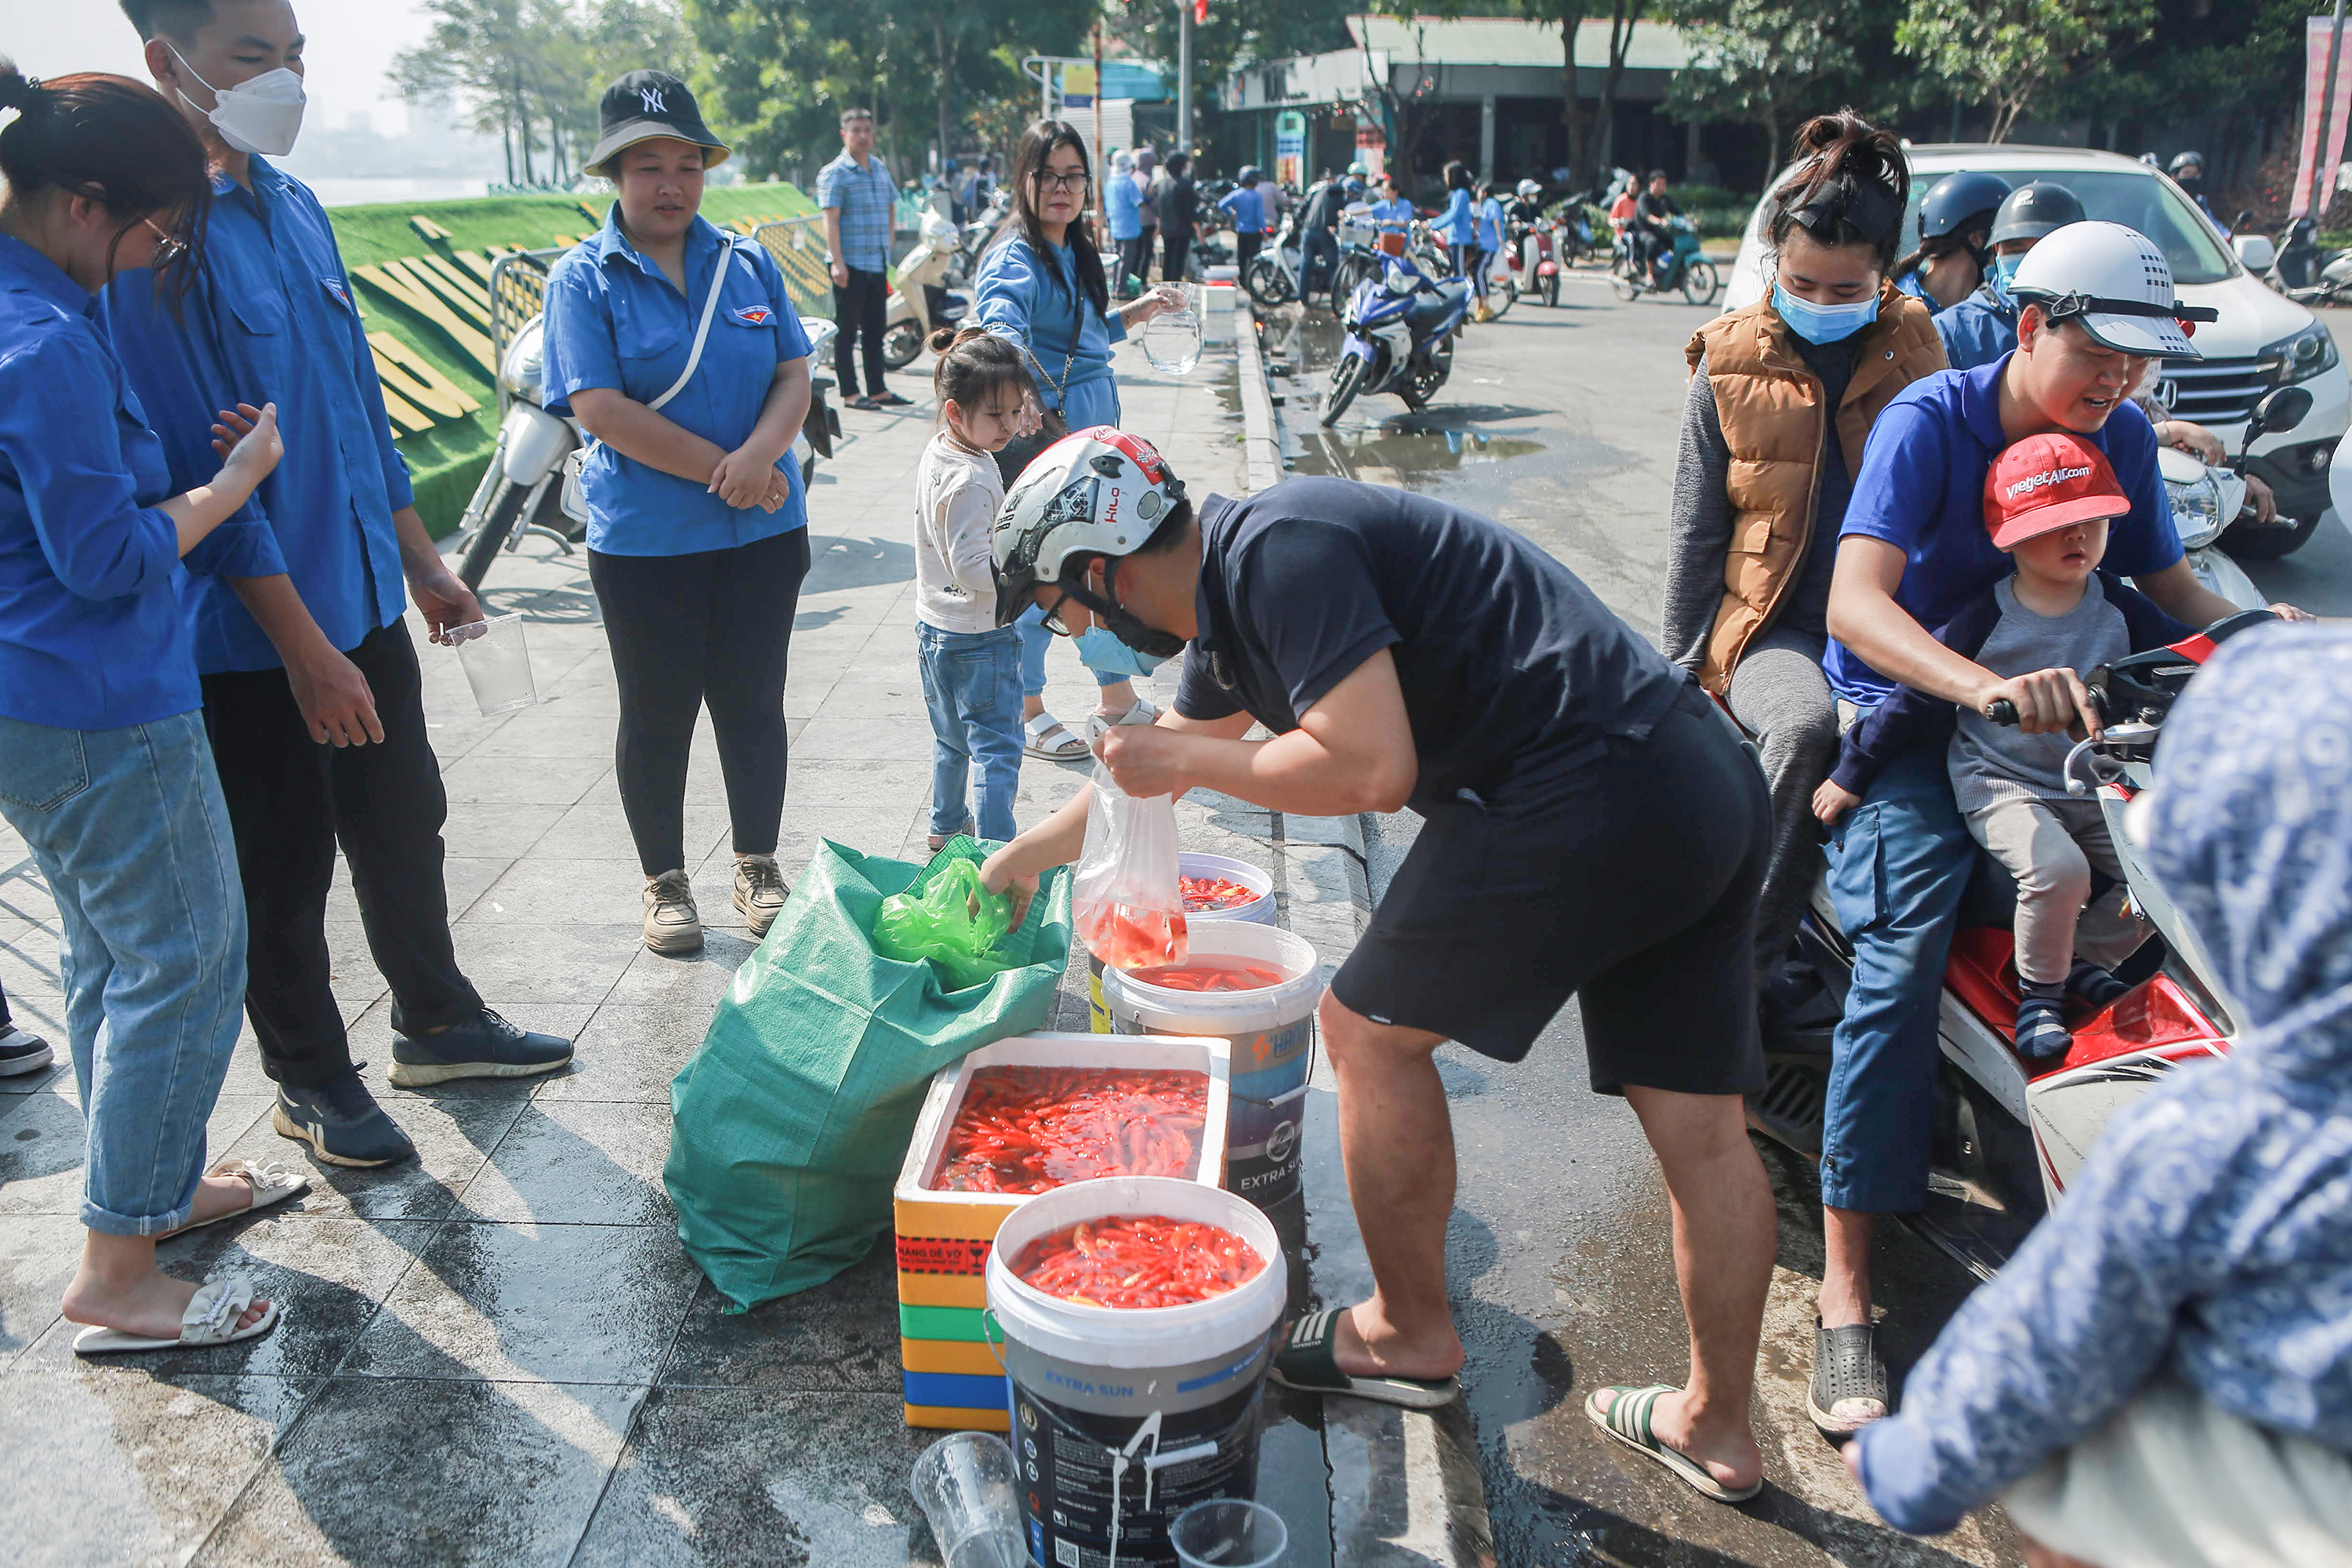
(2096, 304)
(313, 698)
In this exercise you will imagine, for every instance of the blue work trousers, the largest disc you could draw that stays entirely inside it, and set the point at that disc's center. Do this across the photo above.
(1899, 864)
(972, 683)
(131, 834)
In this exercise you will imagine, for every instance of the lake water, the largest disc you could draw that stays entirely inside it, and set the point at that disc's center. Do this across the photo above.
(357, 191)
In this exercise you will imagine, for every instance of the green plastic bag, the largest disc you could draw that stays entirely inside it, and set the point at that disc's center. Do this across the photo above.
(788, 1127)
(936, 919)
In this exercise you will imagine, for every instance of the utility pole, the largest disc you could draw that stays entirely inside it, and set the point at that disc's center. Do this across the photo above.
(1184, 76)
(2322, 178)
(1102, 224)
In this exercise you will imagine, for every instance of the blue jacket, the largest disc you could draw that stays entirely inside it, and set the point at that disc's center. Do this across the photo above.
(614, 321)
(1978, 329)
(1123, 205)
(1246, 204)
(1457, 223)
(2208, 1234)
(273, 320)
(1038, 304)
(1490, 225)
(90, 632)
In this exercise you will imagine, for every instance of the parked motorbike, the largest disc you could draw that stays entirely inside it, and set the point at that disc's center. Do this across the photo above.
(2010, 1134)
(964, 266)
(521, 492)
(1400, 325)
(1531, 250)
(2209, 504)
(1278, 273)
(1676, 267)
(920, 301)
(2299, 269)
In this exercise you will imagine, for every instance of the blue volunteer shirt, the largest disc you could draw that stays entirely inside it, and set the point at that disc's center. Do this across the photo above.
(1457, 223)
(1490, 225)
(1393, 215)
(272, 319)
(1921, 489)
(1123, 206)
(614, 321)
(867, 201)
(1037, 303)
(90, 632)
(1246, 204)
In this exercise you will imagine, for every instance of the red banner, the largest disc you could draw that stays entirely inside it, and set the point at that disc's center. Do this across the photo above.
(2316, 36)
(1200, 11)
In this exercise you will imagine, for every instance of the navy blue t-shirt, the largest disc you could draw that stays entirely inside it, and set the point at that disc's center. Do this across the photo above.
(1514, 672)
(1921, 489)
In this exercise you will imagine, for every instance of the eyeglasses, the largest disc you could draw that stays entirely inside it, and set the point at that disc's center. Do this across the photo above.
(169, 248)
(1054, 622)
(1052, 181)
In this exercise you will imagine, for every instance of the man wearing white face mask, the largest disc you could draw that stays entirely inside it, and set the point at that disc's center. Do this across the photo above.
(312, 696)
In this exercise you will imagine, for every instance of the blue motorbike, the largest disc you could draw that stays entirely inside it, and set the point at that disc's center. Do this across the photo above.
(1400, 325)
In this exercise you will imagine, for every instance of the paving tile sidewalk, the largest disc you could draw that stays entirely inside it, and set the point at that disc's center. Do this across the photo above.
(499, 1353)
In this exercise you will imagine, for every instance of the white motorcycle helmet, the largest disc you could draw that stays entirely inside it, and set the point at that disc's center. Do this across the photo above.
(1096, 491)
(1531, 189)
(2115, 283)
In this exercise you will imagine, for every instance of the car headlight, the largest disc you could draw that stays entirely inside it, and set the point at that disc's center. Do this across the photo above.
(2300, 357)
(2197, 512)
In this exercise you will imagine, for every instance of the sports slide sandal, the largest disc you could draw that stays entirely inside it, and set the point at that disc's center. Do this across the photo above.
(269, 1184)
(1627, 1420)
(1305, 1361)
(210, 1320)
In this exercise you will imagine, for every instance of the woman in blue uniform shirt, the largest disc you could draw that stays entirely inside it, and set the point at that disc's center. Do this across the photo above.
(1042, 285)
(104, 768)
(698, 536)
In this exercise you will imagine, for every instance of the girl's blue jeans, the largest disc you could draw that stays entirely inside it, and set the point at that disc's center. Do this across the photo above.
(972, 683)
(131, 834)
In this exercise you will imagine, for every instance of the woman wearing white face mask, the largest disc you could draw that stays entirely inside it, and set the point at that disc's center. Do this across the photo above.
(1783, 395)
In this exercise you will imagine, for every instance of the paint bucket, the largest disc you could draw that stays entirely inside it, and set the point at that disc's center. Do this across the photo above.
(1262, 1147)
(1124, 1418)
(1272, 1028)
(1258, 911)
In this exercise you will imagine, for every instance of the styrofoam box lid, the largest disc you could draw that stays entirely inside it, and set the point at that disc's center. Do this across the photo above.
(1129, 1053)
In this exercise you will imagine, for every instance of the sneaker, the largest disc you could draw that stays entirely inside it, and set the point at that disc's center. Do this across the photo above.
(2042, 1033)
(342, 1122)
(760, 892)
(21, 1052)
(485, 1046)
(672, 923)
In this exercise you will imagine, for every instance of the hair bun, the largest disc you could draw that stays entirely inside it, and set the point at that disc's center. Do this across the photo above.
(941, 340)
(17, 91)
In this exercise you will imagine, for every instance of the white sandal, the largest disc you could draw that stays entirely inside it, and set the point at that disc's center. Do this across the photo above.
(1062, 751)
(210, 1320)
(270, 1186)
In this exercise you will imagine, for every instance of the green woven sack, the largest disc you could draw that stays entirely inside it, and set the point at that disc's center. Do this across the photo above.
(788, 1127)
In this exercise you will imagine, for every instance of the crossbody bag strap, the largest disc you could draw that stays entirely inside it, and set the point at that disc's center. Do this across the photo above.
(702, 331)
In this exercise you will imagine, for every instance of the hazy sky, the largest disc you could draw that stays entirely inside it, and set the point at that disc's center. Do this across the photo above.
(351, 43)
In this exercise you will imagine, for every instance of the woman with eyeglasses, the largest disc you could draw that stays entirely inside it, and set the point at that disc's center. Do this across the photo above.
(1042, 285)
(104, 767)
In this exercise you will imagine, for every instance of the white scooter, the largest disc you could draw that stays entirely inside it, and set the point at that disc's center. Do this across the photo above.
(919, 301)
(2207, 501)
(521, 490)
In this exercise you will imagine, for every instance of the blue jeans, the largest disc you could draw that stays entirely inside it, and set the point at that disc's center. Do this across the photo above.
(1898, 865)
(972, 683)
(1035, 641)
(131, 832)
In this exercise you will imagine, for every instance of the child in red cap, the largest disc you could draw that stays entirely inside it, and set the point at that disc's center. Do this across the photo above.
(2048, 501)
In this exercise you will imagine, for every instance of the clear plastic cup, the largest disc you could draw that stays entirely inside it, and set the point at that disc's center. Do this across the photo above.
(1171, 340)
(1226, 1532)
(964, 1484)
(496, 664)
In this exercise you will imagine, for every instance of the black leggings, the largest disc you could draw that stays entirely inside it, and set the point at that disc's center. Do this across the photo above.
(713, 627)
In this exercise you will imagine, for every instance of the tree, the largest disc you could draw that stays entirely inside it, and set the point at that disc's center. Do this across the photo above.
(1623, 15)
(2012, 53)
(483, 53)
(1758, 62)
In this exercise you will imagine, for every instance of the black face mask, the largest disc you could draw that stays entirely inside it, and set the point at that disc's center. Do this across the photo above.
(1121, 623)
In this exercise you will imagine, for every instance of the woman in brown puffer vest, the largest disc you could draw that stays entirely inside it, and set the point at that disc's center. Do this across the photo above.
(1761, 485)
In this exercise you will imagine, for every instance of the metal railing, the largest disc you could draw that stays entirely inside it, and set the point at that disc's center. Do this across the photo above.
(798, 245)
(517, 293)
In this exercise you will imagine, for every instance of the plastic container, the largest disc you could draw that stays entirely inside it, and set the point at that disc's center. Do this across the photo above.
(1272, 1029)
(1263, 1140)
(1171, 340)
(496, 664)
(1259, 913)
(967, 1486)
(1125, 1418)
(1226, 1532)
(950, 1376)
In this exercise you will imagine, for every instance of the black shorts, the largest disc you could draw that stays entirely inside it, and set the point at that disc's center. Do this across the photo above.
(1631, 885)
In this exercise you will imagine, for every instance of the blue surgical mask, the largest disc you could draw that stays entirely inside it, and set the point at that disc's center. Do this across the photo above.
(1101, 651)
(1822, 324)
(2004, 274)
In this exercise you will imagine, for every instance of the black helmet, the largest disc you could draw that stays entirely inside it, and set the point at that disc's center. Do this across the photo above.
(1953, 200)
(2187, 161)
(2031, 210)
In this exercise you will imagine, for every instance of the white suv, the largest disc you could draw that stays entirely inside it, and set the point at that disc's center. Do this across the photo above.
(2264, 339)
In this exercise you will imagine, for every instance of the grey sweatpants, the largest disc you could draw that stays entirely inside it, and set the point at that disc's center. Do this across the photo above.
(1780, 697)
(2050, 847)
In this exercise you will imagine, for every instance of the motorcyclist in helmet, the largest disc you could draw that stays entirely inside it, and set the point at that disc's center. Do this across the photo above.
(1526, 204)
(2188, 172)
(1956, 220)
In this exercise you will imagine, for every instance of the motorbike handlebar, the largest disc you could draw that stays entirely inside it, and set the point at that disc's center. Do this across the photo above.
(2001, 710)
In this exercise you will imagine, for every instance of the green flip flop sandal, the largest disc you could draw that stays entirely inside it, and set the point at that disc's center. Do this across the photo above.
(1627, 1420)
(1305, 1361)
